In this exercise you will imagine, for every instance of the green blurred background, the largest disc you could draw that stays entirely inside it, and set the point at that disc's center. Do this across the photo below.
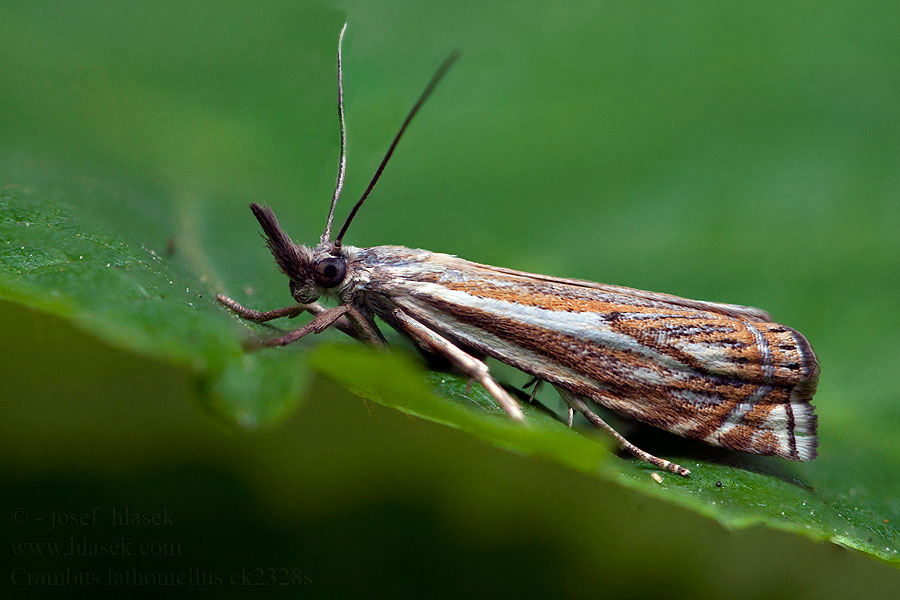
(739, 153)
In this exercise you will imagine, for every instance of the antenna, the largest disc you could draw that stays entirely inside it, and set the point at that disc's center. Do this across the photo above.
(442, 70)
(342, 167)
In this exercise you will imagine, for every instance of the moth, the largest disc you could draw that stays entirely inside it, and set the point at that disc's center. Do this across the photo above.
(721, 373)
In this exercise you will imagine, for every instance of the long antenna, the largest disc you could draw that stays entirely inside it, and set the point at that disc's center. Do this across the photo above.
(442, 70)
(342, 168)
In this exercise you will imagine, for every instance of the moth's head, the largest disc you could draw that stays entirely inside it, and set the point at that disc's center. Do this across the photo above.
(323, 269)
(312, 271)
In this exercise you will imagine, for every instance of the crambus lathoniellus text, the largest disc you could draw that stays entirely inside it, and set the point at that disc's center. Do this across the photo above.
(721, 373)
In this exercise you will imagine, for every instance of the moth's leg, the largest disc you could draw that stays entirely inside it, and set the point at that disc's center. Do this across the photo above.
(571, 420)
(259, 316)
(577, 403)
(537, 385)
(319, 324)
(289, 311)
(462, 360)
(365, 329)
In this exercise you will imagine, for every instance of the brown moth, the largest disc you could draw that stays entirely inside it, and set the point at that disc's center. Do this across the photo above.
(721, 373)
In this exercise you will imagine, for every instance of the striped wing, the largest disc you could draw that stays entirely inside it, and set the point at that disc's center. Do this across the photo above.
(721, 373)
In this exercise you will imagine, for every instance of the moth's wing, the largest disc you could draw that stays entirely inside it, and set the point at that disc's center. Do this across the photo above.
(720, 373)
(731, 310)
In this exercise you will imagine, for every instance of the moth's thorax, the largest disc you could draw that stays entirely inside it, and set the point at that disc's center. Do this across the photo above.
(373, 272)
(400, 261)
(368, 269)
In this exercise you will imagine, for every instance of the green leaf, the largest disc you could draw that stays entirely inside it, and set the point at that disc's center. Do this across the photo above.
(129, 157)
(737, 496)
(54, 257)
(398, 383)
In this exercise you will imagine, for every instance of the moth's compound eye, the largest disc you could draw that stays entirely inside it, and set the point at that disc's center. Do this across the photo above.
(330, 271)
